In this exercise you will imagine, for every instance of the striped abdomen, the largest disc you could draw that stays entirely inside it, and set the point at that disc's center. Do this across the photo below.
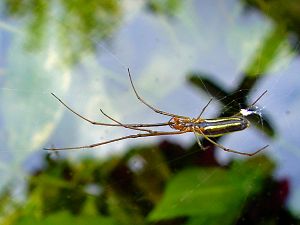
(221, 126)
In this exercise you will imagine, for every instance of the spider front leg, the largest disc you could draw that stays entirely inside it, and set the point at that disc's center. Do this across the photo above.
(147, 104)
(127, 126)
(204, 108)
(106, 124)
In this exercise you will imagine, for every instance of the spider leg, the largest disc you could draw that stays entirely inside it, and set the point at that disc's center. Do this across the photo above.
(124, 125)
(198, 141)
(107, 124)
(118, 139)
(251, 105)
(257, 99)
(204, 108)
(150, 106)
(231, 150)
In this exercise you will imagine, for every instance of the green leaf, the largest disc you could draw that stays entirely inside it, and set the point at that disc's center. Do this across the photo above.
(212, 194)
(210, 221)
(67, 218)
(266, 55)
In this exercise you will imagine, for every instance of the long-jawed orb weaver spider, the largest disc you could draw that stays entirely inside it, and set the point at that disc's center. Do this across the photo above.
(181, 124)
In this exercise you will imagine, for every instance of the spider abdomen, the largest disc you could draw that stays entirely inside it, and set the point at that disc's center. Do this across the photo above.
(211, 127)
(221, 126)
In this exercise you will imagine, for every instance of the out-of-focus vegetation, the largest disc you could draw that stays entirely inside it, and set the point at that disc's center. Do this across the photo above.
(285, 13)
(164, 7)
(74, 21)
(162, 184)
(81, 25)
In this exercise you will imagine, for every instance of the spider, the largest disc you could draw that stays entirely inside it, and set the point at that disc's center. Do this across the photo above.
(179, 124)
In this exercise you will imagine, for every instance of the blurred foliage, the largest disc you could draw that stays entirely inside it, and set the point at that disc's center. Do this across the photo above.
(265, 55)
(73, 20)
(80, 26)
(284, 13)
(162, 184)
(166, 7)
(208, 192)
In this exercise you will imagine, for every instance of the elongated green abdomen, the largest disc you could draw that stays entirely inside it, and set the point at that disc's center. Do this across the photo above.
(221, 126)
